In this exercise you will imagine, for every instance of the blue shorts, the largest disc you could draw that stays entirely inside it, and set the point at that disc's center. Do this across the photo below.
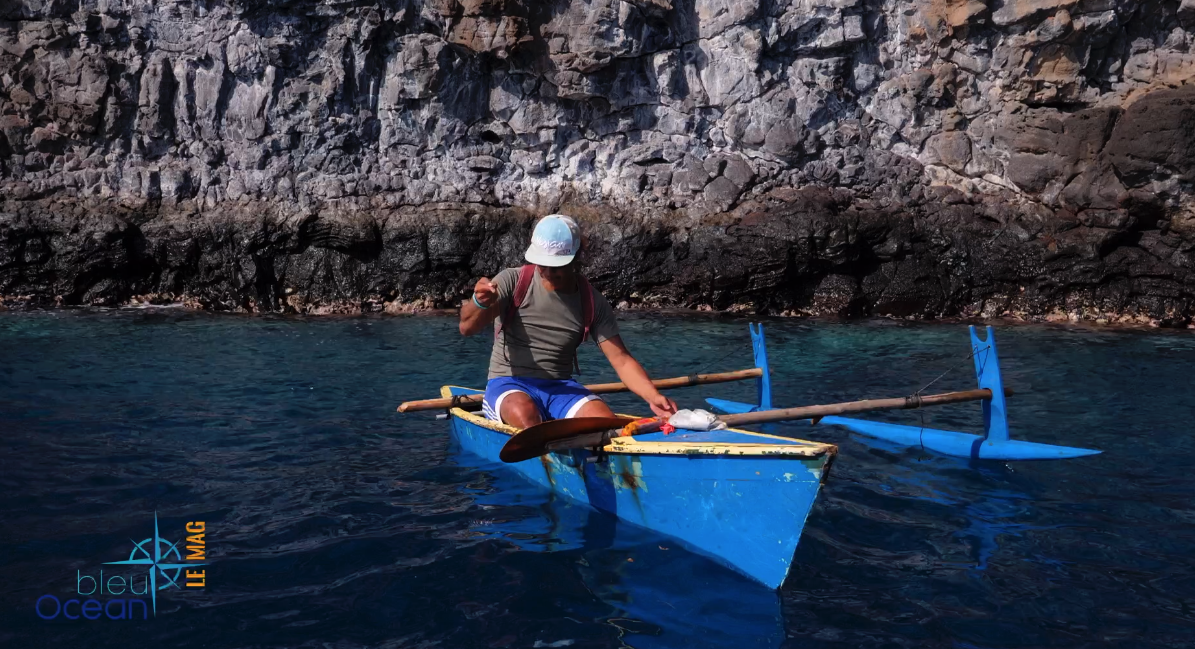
(556, 399)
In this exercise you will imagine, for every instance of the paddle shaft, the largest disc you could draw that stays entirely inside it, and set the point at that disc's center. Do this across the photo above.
(590, 440)
(473, 401)
(850, 407)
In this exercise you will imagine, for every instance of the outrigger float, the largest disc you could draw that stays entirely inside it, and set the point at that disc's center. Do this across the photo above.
(736, 496)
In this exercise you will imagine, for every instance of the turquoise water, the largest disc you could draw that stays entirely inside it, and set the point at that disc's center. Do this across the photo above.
(332, 521)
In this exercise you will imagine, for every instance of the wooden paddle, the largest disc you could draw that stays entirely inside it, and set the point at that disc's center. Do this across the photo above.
(473, 401)
(588, 432)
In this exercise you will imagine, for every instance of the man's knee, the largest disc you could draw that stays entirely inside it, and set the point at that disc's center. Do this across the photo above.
(519, 410)
(594, 408)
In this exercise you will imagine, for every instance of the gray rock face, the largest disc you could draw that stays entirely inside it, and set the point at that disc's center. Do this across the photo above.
(923, 158)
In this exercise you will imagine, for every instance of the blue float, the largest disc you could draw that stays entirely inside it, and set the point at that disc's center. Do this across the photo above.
(994, 444)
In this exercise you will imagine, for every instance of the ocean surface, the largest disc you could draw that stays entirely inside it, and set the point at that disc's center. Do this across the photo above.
(331, 521)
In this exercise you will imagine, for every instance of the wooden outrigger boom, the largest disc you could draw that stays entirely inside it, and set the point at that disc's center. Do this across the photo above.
(473, 402)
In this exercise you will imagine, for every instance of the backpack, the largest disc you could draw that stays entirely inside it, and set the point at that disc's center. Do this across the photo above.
(523, 287)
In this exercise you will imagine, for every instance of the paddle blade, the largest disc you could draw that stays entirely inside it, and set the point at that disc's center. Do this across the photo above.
(533, 441)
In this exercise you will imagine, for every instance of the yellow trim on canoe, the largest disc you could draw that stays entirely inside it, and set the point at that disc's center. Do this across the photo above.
(632, 446)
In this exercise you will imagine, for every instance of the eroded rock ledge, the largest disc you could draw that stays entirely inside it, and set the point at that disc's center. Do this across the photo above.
(928, 158)
(803, 251)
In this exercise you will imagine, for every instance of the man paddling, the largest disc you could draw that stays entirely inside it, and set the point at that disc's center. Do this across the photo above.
(536, 337)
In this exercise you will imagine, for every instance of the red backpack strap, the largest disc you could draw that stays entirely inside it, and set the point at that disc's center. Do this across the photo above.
(522, 287)
(586, 307)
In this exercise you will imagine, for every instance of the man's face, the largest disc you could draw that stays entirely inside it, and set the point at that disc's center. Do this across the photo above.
(556, 275)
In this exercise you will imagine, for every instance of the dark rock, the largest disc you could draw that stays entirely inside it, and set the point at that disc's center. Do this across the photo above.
(808, 251)
(1048, 149)
(1186, 13)
(1155, 138)
(838, 295)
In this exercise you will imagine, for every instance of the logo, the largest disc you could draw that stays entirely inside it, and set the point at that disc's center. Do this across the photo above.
(155, 564)
(554, 247)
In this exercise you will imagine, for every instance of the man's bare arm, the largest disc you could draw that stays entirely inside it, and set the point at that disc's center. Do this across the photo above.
(632, 373)
(474, 318)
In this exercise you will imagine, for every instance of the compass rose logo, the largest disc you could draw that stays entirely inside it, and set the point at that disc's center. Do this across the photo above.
(163, 560)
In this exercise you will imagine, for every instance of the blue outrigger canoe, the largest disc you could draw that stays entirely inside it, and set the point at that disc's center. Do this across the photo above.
(738, 497)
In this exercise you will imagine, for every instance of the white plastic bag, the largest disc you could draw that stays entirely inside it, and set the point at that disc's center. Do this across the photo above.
(696, 420)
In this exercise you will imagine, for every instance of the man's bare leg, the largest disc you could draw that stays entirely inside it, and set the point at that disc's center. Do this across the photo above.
(519, 410)
(594, 408)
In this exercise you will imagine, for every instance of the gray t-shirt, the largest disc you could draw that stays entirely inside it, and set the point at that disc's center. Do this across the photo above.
(540, 342)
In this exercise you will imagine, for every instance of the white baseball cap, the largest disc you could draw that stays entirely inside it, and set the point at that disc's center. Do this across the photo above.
(554, 242)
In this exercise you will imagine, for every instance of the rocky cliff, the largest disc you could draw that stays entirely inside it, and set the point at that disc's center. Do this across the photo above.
(914, 158)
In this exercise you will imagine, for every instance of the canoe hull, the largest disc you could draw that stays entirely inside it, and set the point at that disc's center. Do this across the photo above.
(744, 510)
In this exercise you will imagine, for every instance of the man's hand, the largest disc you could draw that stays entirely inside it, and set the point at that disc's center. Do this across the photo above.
(661, 405)
(485, 291)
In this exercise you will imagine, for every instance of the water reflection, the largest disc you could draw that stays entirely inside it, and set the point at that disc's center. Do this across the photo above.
(656, 593)
(982, 493)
